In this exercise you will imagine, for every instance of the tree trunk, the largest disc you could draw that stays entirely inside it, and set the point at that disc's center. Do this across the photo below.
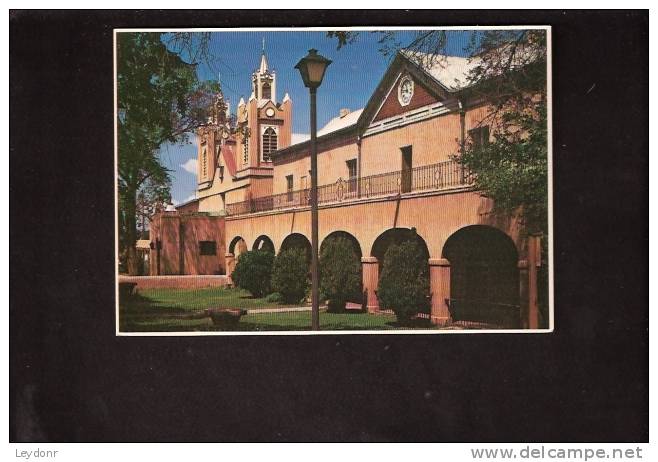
(131, 232)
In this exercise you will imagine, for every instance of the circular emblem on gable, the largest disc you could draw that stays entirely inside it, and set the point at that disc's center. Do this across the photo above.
(269, 112)
(405, 90)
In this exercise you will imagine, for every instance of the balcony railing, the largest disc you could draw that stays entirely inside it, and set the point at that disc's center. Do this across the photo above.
(444, 175)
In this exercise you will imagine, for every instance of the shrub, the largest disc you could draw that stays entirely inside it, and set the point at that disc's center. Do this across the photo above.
(290, 275)
(274, 297)
(253, 272)
(404, 282)
(340, 273)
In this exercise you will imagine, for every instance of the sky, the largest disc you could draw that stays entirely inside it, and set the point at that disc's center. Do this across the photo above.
(349, 81)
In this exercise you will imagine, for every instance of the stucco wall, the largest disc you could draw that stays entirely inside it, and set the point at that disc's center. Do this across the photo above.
(331, 166)
(179, 237)
(431, 141)
(435, 218)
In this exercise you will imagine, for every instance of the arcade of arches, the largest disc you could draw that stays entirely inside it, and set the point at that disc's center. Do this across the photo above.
(484, 271)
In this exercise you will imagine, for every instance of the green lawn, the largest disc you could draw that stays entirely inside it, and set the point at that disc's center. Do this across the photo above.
(200, 299)
(171, 310)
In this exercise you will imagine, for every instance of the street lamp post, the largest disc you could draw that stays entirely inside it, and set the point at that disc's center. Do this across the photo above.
(312, 68)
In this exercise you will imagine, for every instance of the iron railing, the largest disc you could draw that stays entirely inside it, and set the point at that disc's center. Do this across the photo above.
(444, 175)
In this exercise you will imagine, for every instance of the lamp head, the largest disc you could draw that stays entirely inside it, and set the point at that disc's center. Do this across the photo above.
(312, 68)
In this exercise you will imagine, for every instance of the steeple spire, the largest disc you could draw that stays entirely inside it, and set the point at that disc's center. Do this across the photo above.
(263, 64)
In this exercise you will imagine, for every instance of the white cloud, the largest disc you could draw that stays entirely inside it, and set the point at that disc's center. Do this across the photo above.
(190, 166)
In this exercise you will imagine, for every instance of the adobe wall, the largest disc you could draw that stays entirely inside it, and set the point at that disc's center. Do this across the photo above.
(179, 237)
(331, 166)
(435, 217)
(432, 141)
(176, 282)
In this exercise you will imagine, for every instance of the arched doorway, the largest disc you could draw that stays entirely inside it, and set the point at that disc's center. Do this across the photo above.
(484, 277)
(298, 241)
(237, 246)
(396, 236)
(357, 297)
(264, 243)
(345, 235)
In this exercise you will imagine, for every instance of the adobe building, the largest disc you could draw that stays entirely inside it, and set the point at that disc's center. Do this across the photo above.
(384, 170)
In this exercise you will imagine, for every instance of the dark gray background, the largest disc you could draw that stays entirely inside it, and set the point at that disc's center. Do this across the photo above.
(73, 380)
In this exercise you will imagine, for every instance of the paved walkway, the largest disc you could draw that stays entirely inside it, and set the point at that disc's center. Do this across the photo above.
(291, 309)
(350, 307)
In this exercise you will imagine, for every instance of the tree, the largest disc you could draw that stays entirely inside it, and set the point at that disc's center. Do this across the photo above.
(340, 273)
(404, 283)
(159, 99)
(290, 274)
(512, 169)
(254, 271)
(151, 198)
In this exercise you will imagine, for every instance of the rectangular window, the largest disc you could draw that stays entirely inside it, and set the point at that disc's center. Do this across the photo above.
(479, 136)
(289, 187)
(351, 174)
(304, 182)
(207, 248)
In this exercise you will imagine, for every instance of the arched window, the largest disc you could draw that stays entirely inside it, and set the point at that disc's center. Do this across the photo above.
(267, 91)
(269, 144)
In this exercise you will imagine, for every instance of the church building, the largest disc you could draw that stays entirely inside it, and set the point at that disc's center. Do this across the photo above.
(386, 172)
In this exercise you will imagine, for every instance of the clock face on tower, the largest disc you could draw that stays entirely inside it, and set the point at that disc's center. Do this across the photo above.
(405, 91)
(269, 112)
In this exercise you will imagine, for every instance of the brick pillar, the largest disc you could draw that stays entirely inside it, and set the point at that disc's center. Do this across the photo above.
(440, 290)
(370, 271)
(523, 292)
(229, 260)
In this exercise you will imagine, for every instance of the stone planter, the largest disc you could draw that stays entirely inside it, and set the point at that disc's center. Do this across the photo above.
(226, 318)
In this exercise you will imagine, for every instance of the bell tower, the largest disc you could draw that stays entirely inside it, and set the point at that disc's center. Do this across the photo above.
(263, 81)
(264, 126)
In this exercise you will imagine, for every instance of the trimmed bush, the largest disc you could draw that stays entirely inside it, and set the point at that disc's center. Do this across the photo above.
(290, 275)
(404, 283)
(340, 273)
(253, 272)
(274, 297)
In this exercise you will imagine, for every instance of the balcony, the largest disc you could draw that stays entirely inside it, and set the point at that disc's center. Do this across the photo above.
(435, 177)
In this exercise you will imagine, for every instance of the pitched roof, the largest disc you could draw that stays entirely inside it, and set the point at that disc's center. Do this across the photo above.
(450, 71)
(263, 64)
(338, 123)
(296, 138)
